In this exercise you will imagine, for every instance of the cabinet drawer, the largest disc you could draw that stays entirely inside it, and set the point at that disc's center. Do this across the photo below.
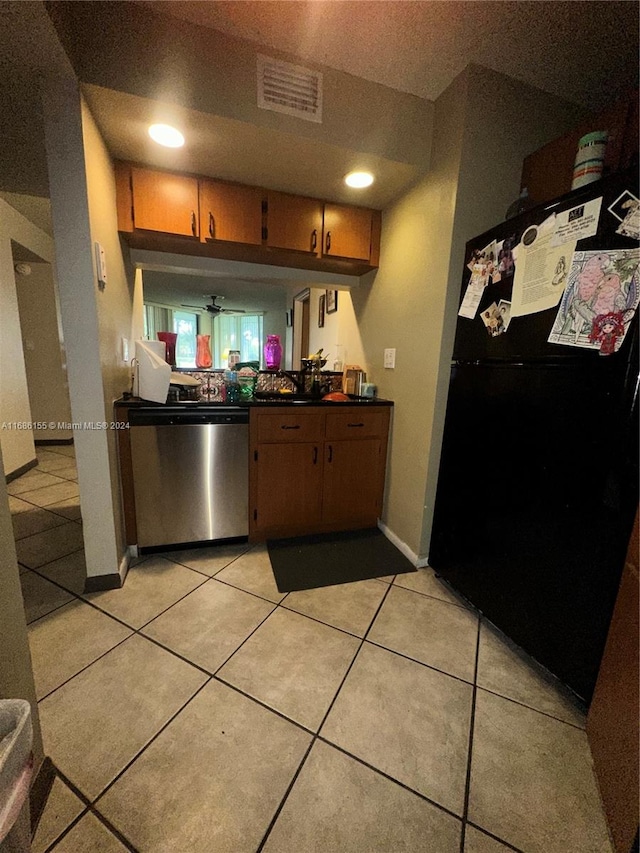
(291, 426)
(358, 424)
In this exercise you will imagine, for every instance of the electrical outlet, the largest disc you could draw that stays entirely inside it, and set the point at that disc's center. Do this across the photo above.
(390, 358)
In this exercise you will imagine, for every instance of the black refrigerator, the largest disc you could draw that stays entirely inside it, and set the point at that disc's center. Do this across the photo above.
(538, 481)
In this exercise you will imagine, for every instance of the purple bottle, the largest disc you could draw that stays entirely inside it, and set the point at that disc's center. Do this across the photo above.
(272, 352)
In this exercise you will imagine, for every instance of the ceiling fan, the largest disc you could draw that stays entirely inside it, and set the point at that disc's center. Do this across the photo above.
(214, 308)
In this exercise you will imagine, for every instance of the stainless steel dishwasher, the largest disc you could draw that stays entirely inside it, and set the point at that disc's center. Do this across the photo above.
(190, 474)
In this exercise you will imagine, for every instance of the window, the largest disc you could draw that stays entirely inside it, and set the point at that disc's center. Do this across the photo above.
(241, 332)
(186, 326)
(184, 323)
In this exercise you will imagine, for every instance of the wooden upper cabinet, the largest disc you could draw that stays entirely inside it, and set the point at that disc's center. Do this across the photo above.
(230, 212)
(294, 222)
(230, 221)
(347, 232)
(165, 202)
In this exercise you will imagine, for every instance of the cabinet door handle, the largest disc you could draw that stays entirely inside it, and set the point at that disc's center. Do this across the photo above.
(194, 223)
(355, 425)
(328, 241)
(314, 239)
(330, 453)
(284, 426)
(315, 455)
(210, 224)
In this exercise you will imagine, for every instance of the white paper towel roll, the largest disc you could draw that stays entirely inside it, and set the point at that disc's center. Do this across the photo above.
(153, 371)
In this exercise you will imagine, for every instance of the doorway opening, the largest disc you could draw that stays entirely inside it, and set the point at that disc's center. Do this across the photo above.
(301, 316)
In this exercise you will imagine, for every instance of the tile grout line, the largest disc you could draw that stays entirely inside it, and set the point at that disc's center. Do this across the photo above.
(495, 837)
(379, 772)
(315, 734)
(151, 740)
(476, 687)
(61, 557)
(88, 808)
(467, 784)
(285, 797)
(84, 668)
(462, 605)
(44, 530)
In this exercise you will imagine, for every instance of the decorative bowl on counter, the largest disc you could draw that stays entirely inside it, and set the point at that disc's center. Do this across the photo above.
(337, 397)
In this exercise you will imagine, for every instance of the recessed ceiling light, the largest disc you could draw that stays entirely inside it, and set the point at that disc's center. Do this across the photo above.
(359, 180)
(166, 135)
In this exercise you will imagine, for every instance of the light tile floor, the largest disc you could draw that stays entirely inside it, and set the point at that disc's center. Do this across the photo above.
(199, 709)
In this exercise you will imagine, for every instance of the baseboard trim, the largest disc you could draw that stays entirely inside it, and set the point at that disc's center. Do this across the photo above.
(40, 790)
(39, 441)
(21, 470)
(100, 583)
(418, 562)
(124, 566)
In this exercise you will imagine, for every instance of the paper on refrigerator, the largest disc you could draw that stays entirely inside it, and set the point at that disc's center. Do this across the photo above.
(577, 223)
(154, 373)
(541, 269)
(482, 266)
(601, 283)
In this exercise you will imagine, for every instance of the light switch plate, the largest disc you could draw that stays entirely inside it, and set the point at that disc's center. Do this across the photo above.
(125, 349)
(101, 264)
(390, 357)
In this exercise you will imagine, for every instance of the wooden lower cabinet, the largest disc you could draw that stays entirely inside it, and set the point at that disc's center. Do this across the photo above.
(296, 497)
(316, 471)
(351, 482)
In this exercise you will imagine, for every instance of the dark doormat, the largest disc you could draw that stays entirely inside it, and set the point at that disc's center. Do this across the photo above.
(325, 559)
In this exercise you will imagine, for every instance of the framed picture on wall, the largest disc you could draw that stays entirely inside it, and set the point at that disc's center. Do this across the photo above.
(321, 304)
(332, 301)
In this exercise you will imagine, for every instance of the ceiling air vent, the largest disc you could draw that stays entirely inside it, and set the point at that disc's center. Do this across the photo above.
(289, 89)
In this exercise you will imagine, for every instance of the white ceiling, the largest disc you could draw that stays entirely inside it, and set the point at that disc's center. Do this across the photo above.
(586, 52)
(582, 50)
(234, 150)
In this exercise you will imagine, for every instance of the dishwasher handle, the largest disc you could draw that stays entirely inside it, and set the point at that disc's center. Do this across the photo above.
(181, 417)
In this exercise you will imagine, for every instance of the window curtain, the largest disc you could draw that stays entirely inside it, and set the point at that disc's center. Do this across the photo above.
(237, 332)
(156, 320)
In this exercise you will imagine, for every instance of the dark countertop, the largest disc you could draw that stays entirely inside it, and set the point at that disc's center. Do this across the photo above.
(287, 400)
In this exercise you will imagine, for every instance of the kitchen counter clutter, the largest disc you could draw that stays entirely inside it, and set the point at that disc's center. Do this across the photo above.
(313, 465)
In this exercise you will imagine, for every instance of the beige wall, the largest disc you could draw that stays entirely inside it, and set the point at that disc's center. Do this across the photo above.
(17, 445)
(43, 352)
(340, 336)
(402, 306)
(87, 337)
(115, 301)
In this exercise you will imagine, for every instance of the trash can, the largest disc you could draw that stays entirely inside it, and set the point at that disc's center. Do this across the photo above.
(16, 767)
